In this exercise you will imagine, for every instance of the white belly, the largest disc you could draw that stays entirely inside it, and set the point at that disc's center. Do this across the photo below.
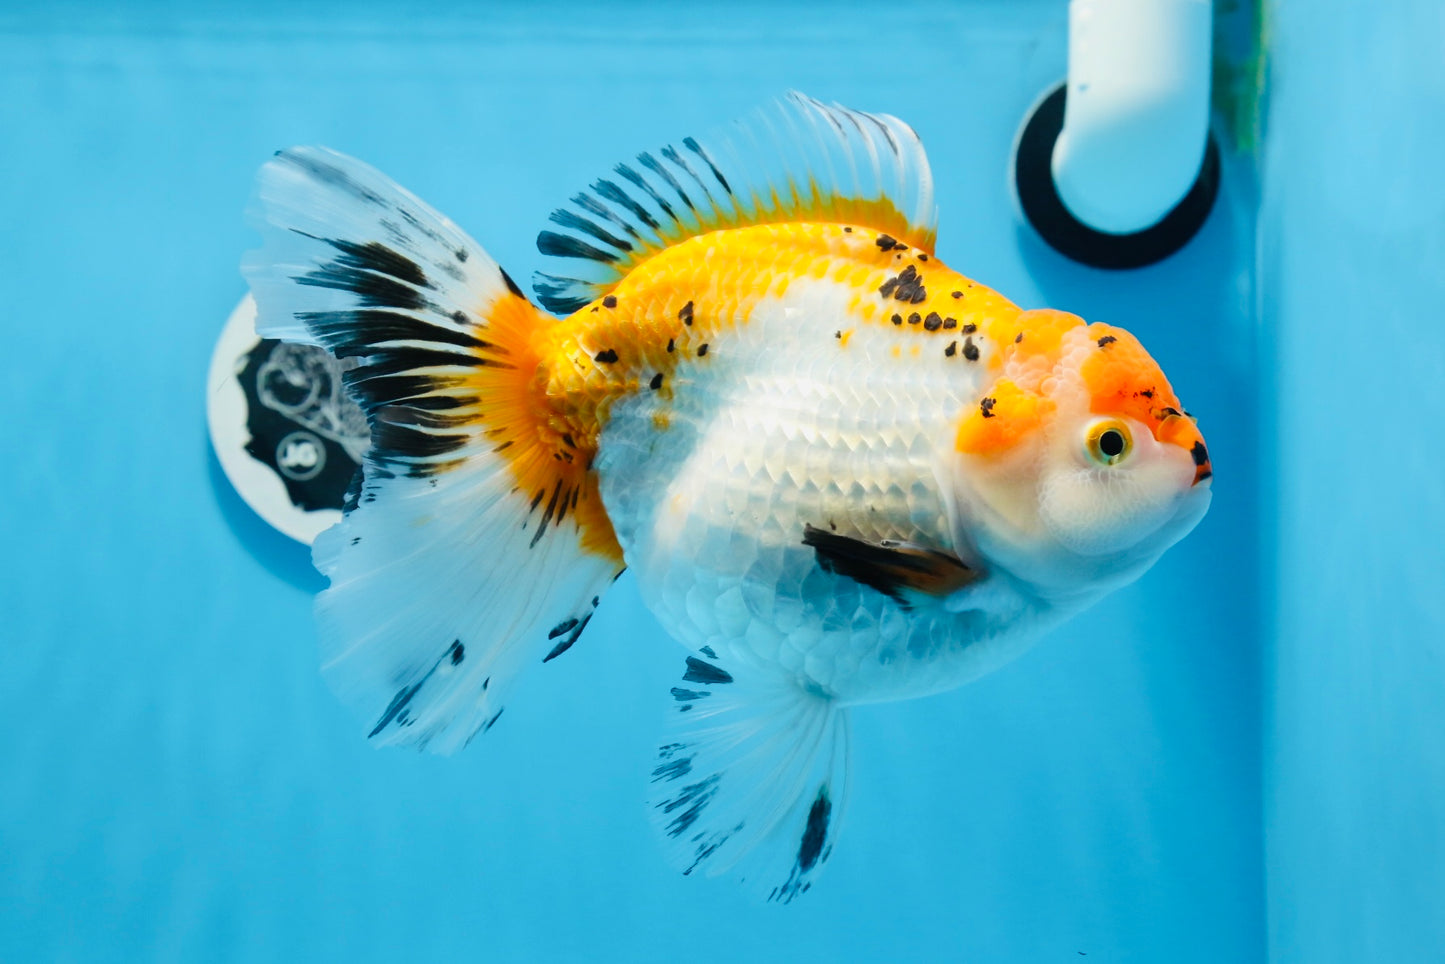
(783, 425)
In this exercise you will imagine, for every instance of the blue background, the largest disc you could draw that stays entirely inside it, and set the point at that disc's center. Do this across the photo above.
(176, 784)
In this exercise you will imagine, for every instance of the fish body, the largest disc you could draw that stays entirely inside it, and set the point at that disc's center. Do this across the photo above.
(841, 471)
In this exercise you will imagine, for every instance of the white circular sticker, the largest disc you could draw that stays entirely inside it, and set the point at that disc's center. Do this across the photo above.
(284, 430)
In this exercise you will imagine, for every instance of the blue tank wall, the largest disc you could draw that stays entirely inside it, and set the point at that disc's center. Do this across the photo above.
(176, 783)
(1353, 262)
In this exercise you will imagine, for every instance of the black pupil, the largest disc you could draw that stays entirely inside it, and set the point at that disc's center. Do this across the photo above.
(1111, 443)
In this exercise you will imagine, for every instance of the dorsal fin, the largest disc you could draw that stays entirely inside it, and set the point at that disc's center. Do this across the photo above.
(800, 161)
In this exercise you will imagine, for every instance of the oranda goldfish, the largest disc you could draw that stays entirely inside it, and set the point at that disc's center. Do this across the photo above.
(841, 471)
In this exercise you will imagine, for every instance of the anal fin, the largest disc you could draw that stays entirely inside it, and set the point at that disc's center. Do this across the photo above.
(752, 780)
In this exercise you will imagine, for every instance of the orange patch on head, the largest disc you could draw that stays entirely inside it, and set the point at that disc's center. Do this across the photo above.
(1004, 417)
(1122, 379)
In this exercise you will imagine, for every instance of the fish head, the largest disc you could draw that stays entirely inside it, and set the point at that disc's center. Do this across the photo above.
(1079, 466)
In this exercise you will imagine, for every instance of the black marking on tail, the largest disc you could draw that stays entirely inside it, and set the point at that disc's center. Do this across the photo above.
(815, 834)
(691, 800)
(570, 630)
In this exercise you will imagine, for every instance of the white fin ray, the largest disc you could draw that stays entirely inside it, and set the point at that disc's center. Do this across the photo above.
(752, 779)
(446, 578)
(788, 170)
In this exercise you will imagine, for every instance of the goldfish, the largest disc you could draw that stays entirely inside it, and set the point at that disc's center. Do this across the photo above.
(840, 471)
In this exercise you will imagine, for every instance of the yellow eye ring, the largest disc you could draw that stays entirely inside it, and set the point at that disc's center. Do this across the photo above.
(1108, 441)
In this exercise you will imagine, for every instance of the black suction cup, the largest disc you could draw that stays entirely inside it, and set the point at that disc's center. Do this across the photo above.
(1045, 210)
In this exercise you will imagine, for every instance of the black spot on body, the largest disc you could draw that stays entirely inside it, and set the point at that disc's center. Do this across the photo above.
(950, 323)
(606, 357)
(671, 346)
(1018, 338)
(685, 314)
(985, 407)
(914, 318)
(656, 382)
(610, 301)
(1199, 453)
(969, 328)
(702, 349)
(951, 350)
(886, 243)
(1107, 340)
(933, 322)
(898, 319)
(970, 350)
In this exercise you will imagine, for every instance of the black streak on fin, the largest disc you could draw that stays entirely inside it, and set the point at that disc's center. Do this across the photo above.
(815, 834)
(889, 567)
(701, 672)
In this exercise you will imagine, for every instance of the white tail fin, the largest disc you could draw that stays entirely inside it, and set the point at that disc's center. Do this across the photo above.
(470, 547)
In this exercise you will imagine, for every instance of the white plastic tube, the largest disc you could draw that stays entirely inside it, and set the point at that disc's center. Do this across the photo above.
(1136, 121)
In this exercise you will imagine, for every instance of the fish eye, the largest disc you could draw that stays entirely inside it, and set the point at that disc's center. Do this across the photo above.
(1108, 441)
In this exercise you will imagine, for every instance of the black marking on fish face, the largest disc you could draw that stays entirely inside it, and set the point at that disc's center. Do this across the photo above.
(656, 382)
(922, 256)
(970, 350)
(702, 349)
(687, 696)
(1199, 453)
(701, 672)
(933, 322)
(607, 356)
(815, 833)
(610, 301)
(1147, 393)
(1107, 340)
(985, 407)
(707, 651)
(457, 652)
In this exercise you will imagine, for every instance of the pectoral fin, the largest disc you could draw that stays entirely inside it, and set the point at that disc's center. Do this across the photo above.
(899, 570)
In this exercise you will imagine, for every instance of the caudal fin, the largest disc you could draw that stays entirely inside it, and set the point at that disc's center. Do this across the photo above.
(473, 544)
